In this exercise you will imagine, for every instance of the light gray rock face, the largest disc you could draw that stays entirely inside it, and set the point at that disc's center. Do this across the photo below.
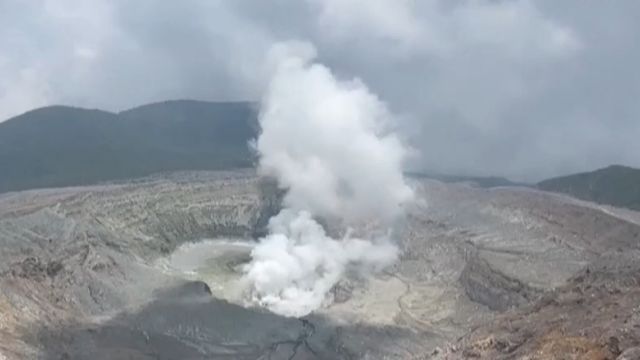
(144, 218)
(79, 275)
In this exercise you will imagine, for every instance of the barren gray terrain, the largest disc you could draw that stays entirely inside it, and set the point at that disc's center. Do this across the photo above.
(106, 272)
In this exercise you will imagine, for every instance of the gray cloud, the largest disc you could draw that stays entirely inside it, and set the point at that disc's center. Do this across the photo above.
(521, 88)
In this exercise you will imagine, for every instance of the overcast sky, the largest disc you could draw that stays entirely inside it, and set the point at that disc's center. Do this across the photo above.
(524, 89)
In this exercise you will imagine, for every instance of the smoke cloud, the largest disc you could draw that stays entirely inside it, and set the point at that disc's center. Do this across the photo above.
(330, 145)
(295, 267)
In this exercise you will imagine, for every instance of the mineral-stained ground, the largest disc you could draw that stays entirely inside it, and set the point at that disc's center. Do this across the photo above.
(105, 272)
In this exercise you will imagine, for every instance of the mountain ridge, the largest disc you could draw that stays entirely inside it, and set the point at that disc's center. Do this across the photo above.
(61, 145)
(616, 185)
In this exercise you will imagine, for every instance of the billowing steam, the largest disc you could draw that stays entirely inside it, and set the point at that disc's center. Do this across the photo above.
(329, 144)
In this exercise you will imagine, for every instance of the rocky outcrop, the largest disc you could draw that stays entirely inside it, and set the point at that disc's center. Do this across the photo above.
(493, 289)
(594, 316)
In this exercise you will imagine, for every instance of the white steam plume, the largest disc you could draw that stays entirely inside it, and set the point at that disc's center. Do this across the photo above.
(328, 142)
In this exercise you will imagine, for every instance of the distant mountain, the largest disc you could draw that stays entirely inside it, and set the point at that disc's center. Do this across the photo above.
(480, 181)
(615, 185)
(62, 146)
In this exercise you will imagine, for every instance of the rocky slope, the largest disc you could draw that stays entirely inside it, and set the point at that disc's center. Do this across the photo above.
(484, 273)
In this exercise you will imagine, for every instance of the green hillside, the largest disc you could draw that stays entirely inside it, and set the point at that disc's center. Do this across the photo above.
(615, 185)
(63, 146)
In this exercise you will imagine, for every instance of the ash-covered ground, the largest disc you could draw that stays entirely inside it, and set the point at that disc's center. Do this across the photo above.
(149, 269)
